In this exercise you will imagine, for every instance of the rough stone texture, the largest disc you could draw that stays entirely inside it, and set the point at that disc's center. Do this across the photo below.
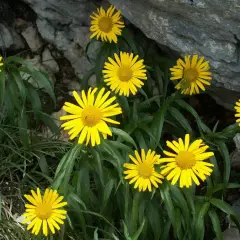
(49, 62)
(231, 234)
(9, 38)
(65, 24)
(32, 38)
(207, 27)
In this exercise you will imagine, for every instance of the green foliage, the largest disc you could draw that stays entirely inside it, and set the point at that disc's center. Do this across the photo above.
(101, 204)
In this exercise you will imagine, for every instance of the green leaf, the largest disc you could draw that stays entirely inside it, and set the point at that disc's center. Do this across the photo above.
(166, 230)
(216, 175)
(65, 167)
(99, 165)
(135, 211)
(200, 221)
(139, 231)
(201, 126)
(158, 74)
(189, 194)
(123, 102)
(125, 136)
(157, 125)
(48, 121)
(220, 187)
(179, 117)
(182, 204)
(77, 199)
(223, 206)
(216, 224)
(164, 191)
(2, 87)
(41, 79)
(96, 234)
(141, 140)
(19, 82)
(226, 158)
(43, 163)
(34, 98)
(125, 231)
(155, 219)
(129, 38)
(102, 56)
(84, 80)
(16, 59)
(23, 129)
(107, 192)
(12, 93)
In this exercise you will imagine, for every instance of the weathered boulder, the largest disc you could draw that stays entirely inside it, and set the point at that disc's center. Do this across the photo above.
(9, 38)
(207, 27)
(65, 24)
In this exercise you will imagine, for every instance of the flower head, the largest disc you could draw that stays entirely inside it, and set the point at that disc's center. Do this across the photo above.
(1, 63)
(106, 24)
(44, 211)
(90, 117)
(187, 162)
(125, 73)
(193, 73)
(142, 170)
(237, 107)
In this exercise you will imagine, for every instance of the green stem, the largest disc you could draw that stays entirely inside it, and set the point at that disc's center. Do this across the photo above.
(134, 219)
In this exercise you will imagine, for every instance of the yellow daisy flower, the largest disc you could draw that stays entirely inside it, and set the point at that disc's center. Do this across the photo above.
(106, 25)
(1, 63)
(142, 171)
(90, 117)
(44, 212)
(237, 107)
(193, 73)
(125, 73)
(187, 162)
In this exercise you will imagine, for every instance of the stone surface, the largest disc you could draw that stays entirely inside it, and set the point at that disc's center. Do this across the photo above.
(207, 27)
(32, 38)
(49, 62)
(9, 39)
(65, 24)
(231, 234)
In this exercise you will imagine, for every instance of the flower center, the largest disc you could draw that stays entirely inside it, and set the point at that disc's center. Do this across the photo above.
(185, 159)
(124, 74)
(105, 24)
(91, 116)
(44, 211)
(190, 75)
(145, 170)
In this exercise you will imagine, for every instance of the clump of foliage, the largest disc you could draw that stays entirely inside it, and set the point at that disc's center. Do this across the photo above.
(101, 203)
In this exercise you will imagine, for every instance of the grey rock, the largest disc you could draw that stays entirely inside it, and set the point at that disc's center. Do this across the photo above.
(9, 39)
(207, 27)
(235, 159)
(65, 24)
(32, 38)
(224, 97)
(231, 234)
(236, 140)
(49, 62)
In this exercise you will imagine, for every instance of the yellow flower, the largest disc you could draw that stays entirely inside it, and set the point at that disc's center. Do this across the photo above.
(106, 25)
(44, 212)
(187, 162)
(193, 74)
(237, 107)
(142, 170)
(124, 74)
(90, 117)
(1, 63)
